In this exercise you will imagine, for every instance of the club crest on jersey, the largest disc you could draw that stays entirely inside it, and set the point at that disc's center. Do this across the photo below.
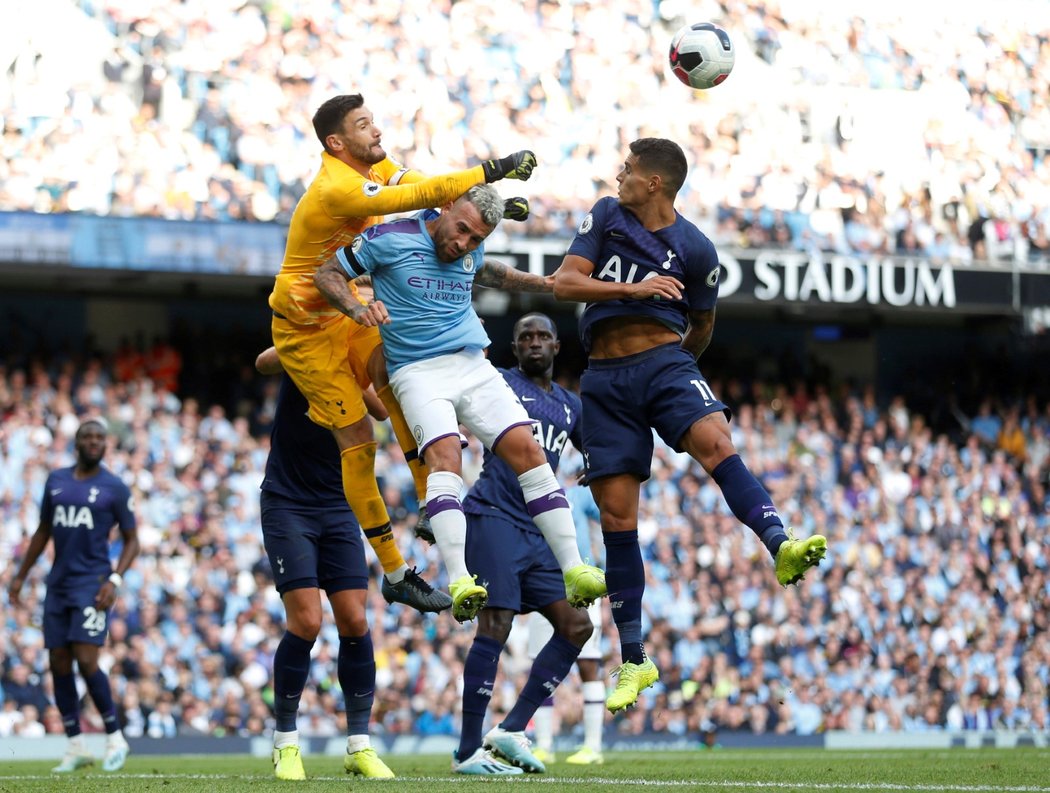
(371, 188)
(585, 226)
(468, 263)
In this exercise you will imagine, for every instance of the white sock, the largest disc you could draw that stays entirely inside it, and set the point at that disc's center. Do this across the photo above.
(449, 524)
(115, 739)
(76, 743)
(355, 743)
(398, 575)
(556, 524)
(593, 713)
(543, 726)
(283, 739)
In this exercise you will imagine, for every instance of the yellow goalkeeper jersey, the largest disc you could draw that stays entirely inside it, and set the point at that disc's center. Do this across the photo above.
(339, 204)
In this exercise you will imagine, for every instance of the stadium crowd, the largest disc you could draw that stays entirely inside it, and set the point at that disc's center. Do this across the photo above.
(844, 128)
(930, 614)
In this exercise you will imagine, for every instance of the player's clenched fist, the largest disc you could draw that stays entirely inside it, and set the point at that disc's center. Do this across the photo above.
(516, 208)
(371, 315)
(516, 166)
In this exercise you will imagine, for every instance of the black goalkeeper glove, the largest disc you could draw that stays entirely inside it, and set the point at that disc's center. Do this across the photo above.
(517, 166)
(516, 208)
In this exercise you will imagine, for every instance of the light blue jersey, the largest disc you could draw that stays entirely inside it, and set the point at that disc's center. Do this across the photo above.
(427, 299)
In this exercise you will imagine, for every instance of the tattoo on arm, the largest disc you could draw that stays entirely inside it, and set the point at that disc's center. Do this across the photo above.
(332, 283)
(499, 276)
(701, 329)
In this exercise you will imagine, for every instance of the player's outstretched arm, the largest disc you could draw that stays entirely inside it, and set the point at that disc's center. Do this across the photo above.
(701, 329)
(36, 547)
(573, 282)
(332, 281)
(499, 276)
(364, 199)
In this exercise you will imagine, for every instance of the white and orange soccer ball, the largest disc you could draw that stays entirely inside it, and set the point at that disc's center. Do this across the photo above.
(702, 55)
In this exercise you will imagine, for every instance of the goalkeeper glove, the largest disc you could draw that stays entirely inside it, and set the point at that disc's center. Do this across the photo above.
(517, 166)
(516, 208)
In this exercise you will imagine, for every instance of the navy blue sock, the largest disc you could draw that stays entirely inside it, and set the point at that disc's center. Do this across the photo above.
(750, 502)
(625, 579)
(291, 668)
(102, 696)
(551, 666)
(479, 676)
(68, 703)
(357, 677)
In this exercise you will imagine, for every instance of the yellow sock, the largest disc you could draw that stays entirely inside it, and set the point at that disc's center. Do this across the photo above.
(405, 441)
(362, 494)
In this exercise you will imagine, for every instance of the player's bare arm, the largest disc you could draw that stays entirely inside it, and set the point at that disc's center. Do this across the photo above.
(37, 544)
(107, 593)
(409, 195)
(501, 276)
(268, 362)
(332, 282)
(573, 282)
(701, 329)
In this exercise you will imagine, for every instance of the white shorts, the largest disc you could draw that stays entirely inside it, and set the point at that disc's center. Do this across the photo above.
(439, 394)
(540, 632)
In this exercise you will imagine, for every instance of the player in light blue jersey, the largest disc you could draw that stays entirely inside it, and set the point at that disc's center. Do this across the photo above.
(650, 279)
(423, 269)
(79, 507)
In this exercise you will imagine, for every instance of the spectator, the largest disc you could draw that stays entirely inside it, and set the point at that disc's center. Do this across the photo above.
(197, 110)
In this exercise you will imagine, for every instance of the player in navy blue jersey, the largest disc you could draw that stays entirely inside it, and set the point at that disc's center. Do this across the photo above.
(314, 542)
(410, 589)
(650, 279)
(509, 555)
(79, 508)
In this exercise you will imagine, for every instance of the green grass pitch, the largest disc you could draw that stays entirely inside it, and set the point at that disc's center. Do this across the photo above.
(1023, 770)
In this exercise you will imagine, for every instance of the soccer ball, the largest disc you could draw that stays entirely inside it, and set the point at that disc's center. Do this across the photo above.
(702, 55)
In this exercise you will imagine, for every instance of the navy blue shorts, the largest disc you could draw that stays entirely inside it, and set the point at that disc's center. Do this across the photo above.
(625, 399)
(70, 617)
(515, 565)
(318, 547)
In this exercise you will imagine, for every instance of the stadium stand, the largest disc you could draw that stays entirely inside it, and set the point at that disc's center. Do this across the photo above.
(932, 611)
(930, 615)
(844, 128)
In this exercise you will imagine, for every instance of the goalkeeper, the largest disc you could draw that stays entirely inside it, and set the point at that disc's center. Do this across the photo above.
(330, 358)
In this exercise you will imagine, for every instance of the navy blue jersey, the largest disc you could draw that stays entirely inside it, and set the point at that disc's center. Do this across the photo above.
(557, 413)
(624, 251)
(303, 464)
(81, 513)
